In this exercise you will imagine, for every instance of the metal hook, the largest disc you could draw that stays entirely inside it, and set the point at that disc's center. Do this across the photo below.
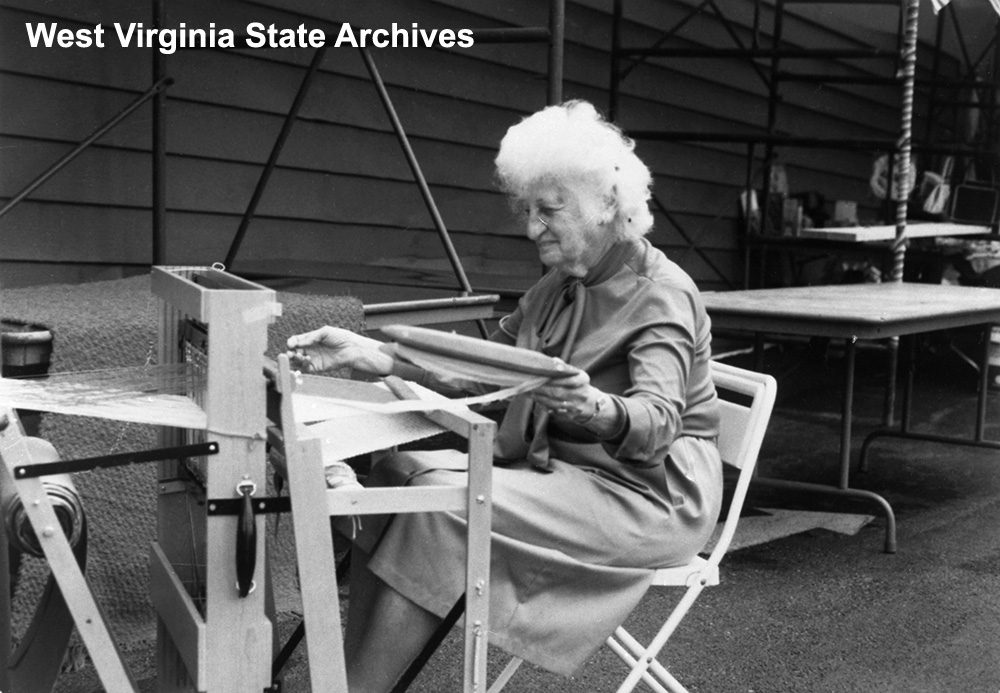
(246, 487)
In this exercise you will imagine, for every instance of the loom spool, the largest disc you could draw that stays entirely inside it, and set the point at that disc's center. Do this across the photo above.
(65, 501)
(27, 353)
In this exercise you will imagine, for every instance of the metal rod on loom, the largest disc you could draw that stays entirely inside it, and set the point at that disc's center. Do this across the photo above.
(87, 464)
(272, 160)
(96, 135)
(425, 191)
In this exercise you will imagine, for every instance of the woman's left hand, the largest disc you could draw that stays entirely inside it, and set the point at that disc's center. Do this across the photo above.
(572, 398)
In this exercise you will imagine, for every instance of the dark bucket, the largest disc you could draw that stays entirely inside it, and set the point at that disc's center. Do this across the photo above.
(27, 353)
(27, 349)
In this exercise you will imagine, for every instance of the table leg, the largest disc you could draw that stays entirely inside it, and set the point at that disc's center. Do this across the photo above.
(889, 406)
(909, 366)
(859, 494)
(847, 412)
(843, 490)
(984, 384)
(977, 441)
(846, 421)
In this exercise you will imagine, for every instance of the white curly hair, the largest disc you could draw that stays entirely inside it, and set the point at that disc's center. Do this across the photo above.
(573, 142)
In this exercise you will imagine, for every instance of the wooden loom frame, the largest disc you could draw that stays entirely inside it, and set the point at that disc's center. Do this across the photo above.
(227, 644)
(313, 505)
(227, 649)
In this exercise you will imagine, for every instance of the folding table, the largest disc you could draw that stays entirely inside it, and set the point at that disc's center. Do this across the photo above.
(863, 311)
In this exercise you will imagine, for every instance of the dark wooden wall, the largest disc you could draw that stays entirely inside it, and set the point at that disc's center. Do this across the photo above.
(342, 204)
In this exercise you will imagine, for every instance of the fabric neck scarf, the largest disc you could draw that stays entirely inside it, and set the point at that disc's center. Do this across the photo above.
(524, 430)
(556, 335)
(558, 331)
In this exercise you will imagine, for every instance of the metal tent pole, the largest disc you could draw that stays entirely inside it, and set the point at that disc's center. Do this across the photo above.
(272, 160)
(557, 35)
(76, 151)
(159, 149)
(418, 175)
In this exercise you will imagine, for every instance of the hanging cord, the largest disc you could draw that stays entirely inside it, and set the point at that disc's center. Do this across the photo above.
(908, 70)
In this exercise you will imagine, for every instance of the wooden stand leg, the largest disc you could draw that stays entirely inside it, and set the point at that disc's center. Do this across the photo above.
(314, 549)
(478, 567)
(215, 632)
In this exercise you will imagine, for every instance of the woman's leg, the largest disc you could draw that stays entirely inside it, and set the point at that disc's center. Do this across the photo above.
(385, 630)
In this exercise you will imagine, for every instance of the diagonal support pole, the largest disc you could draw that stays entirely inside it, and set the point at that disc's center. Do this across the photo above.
(272, 160)
(425, 192)
(52, 170)
(701, 253)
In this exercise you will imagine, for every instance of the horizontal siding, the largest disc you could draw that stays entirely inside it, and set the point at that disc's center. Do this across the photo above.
(72, 233)
(342, 201)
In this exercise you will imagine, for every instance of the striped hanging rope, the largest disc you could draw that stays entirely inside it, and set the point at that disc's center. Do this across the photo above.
(904, 145)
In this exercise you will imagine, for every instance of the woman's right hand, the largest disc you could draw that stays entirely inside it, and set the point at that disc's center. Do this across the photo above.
(331, 348)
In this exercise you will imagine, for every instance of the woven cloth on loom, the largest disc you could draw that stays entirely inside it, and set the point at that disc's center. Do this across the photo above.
(113, 324)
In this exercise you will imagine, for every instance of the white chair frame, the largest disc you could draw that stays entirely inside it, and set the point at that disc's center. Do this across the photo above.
(741, 434)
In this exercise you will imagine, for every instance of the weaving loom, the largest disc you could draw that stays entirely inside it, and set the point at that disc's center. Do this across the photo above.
(214, 632)
(216, 410)
(108, 326)
(208, 392)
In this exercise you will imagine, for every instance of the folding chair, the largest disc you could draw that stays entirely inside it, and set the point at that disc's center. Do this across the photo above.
(746, 402)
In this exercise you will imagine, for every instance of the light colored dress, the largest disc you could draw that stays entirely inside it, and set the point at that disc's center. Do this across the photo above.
(574, 545)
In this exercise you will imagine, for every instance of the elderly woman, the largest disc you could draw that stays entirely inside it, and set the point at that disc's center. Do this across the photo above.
(599, 476)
